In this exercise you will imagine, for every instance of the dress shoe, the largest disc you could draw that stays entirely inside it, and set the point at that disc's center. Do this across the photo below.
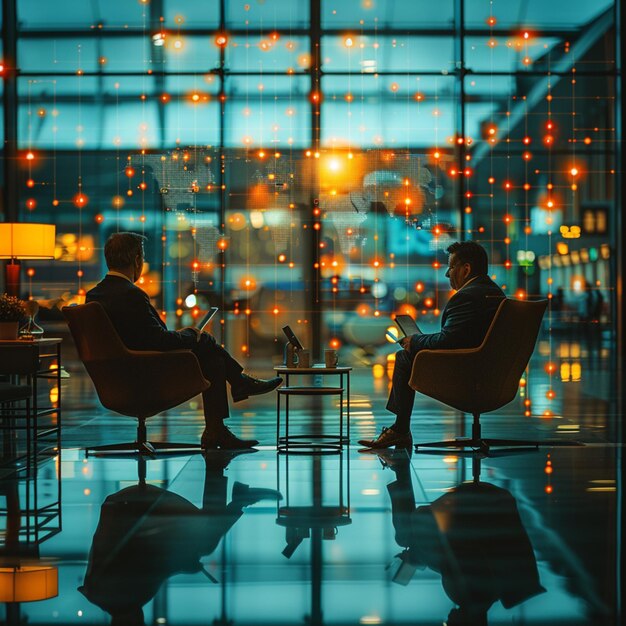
(393, 459)
(244, 495)
(220, 459)
(389, 438)
(250, 386)
(221, 437)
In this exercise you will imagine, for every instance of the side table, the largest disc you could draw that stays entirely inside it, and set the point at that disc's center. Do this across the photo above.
(31, 360)
(313, 442)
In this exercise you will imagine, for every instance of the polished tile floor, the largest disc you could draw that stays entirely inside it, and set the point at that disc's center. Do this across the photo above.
(350, 538)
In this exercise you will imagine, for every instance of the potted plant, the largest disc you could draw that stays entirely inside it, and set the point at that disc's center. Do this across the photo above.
(11, 311)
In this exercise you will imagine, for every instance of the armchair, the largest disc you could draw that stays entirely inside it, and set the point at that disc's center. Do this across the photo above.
(134, 383)
(482, 379)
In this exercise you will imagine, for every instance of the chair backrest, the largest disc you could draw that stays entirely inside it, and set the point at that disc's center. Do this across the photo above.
(485, 378)
(94, 335)
(506, 350)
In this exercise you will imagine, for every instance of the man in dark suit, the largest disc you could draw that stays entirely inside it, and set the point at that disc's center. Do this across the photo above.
(464, 324)
(140, 328)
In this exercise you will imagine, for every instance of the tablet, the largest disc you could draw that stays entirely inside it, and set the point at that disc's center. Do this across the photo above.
(293, 340)
(208, 317)
(407, 325)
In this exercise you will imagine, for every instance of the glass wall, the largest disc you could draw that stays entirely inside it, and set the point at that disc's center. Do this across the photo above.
(312, 166)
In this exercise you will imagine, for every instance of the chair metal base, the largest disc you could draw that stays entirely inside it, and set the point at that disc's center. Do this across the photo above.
(142, 446)
(146, 447)
(485, 445)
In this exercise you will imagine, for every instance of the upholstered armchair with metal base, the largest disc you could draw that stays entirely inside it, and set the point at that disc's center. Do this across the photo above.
(483, 379)
(135, 383)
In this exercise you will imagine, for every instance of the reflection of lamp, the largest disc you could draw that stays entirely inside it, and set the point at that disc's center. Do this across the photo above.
(28, 583)
(24, 241)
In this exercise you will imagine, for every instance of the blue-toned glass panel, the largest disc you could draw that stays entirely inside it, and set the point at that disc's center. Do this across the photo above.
(58, 55)
(280, 124)
(131, 125)
(561, 14)
(259, 89)
(193, 53)
(267, 14)
(509, 54)
(387, 110)
(111, 13)
(369, 54)
(127, 54)
(265, 53)
(387, 14)
(191, 13)
(190, 124)
(66, 126)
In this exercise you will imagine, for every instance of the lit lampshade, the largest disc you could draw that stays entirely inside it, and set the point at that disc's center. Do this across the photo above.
(27, 241)
(24, 241)
(28, 583)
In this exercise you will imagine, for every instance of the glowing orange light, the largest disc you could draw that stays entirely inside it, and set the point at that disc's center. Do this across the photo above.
(550, 394)
(574, 171)
(420, 98)
(29, 156)
(428, 302)
(548, 140)
(80, 200)
(527, 156)
(31, 203)
(222, 244)
(282, 258)
(522, 382)
(491, 20)
(548, 489)
(221, 40)
(275, 311)
(526, 140)
(507, 264)
(129, 171)
(507, 185)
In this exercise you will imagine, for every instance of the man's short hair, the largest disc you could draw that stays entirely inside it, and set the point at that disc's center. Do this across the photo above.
(121, 250)
(472, 253)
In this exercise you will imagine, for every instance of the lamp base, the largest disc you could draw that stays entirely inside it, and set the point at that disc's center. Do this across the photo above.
(12, 278)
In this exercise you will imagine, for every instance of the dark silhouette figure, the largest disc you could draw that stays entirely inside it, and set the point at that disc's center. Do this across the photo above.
(473, 536)
(147, 534)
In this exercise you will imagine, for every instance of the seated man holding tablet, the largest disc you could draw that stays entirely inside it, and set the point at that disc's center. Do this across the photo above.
(464, 324)
(140, 328)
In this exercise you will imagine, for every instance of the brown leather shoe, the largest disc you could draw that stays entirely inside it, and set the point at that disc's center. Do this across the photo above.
(221, 437)
(389, 438)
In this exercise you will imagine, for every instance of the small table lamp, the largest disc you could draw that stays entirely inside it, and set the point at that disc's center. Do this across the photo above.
(24, 241)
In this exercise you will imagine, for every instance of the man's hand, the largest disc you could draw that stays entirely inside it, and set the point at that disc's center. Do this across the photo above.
(197, 331)
(405, 342)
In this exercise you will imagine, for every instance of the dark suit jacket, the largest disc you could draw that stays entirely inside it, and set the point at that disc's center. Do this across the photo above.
(465, 319)
(135, 319)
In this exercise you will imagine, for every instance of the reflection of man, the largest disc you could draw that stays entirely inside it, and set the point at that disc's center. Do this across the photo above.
(464, 324)
(473, 536)
(147, 534)
(140, 328)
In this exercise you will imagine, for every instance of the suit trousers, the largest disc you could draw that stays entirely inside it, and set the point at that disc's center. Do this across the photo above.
(218, 367)
(401, 396)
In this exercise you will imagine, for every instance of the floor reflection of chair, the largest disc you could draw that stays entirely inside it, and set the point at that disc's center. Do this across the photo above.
(316, 517)
(473, 536)
(146, 534)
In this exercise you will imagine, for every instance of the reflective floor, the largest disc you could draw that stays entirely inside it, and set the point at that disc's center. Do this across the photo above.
(350, 538)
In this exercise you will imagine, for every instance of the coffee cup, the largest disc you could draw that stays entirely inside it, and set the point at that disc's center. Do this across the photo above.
(304, 358)
(331, 358)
